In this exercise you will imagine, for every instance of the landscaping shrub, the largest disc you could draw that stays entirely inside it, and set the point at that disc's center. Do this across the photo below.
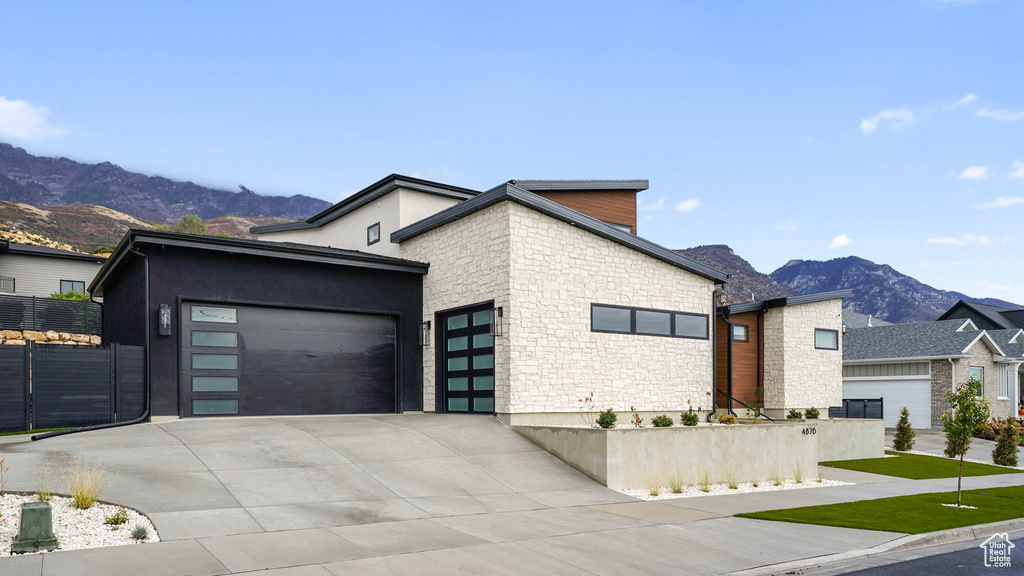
(607, 418)
(812, 413)
(140, 533)
(117, 518)
(726, 419)
(85, 482)
(1005, 452)
(794, 415)
(904, 439)
(689, 418)
(662, 421)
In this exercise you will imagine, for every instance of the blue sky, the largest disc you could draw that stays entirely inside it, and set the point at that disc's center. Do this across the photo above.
(888, 130)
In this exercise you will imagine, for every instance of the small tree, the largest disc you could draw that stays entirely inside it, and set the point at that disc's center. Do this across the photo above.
(190, 224)
(968, 412)
(1005, 452)
(904, 439)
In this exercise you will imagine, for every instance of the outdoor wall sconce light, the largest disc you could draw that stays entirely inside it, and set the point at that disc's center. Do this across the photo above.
(496, 316)
(165, 320)
(425, 333)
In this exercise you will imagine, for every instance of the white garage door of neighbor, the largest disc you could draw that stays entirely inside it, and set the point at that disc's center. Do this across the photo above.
(913, 393)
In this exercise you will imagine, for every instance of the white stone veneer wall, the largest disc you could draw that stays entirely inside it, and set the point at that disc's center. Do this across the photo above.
(545, 274)
(796, 374)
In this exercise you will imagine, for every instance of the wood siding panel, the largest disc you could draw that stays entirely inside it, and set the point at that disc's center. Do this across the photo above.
(614, 206)
(745, 359)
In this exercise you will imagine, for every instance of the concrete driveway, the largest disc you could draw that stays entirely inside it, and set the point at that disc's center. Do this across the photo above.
(934, 442)
(413, 493)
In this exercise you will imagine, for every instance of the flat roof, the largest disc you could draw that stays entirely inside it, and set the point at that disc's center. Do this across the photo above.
(33, 250)
(787, 301)
(581, 185)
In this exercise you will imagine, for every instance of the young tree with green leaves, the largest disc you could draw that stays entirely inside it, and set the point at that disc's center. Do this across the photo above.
(904, 439)
(967, 412)
(190, 224)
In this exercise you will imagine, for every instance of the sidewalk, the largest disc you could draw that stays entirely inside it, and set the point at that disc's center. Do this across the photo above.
(683, 536)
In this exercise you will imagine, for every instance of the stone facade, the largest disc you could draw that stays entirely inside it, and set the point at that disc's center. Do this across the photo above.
(941, 382)
(980, 357)
(796, 374)
(546, 274)
(20, 337)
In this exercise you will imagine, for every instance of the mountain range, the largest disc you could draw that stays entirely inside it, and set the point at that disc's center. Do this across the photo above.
(42, 181)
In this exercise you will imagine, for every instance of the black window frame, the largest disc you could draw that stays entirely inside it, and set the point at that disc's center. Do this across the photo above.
(371, 228)
(834, 332)
(632, 322)
(72, 282)
(746, 332)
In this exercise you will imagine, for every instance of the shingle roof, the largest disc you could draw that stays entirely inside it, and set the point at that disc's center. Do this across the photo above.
(33, 250)
(1003, 337)
(921, 340)
(857, 320)
(994, 314)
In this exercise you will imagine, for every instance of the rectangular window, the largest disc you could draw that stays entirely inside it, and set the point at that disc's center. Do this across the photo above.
(691, 325)
(214, 362)
(826, 339)
(214, 384)
(977, 373)
(214, 314)
(653, 323)
(611, 319)
(215, 339)
(209, 407)
(69, 285)
(740, 333)
(373, 234)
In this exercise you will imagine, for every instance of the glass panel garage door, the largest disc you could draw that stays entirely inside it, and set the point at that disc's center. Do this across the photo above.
(467, 357)
(263, 361)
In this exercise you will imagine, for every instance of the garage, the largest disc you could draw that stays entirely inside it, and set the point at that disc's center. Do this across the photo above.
(252, 328)
(914, 393)
(258, 361)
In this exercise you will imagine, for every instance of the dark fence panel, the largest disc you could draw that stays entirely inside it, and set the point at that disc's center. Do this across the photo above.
(131, 382)
(72, 386)
(859, 408)
(13, 388)
(31, 313)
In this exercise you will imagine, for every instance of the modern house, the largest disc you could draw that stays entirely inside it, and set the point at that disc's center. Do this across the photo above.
(781, 354)
(415, 295)
(912, 365)
(29, 270)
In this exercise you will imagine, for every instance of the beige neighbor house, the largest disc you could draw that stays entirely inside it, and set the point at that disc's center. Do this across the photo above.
(913, 365)
(28, 270)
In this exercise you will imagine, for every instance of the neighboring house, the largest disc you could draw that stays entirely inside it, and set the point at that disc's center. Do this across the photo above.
(985, 316)
(28, 270)
(789, 349)
(852, 320)
(913, 365)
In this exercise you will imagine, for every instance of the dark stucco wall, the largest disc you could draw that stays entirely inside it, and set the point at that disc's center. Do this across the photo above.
(124, 304)
(188, 274)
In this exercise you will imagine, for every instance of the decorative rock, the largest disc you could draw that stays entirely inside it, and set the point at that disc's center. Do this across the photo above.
(95, 340)
(65, 336)
(51, 335)
(14, 342)
(80, 338)
(33, 335)
(12, 334)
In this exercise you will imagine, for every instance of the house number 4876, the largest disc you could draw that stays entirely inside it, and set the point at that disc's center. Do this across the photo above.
(810, 431)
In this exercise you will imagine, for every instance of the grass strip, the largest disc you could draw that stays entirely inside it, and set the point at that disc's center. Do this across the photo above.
(39, 431)
(914, 514)
(918, 467)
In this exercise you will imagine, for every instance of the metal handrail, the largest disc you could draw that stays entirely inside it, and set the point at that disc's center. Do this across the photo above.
(747, 406)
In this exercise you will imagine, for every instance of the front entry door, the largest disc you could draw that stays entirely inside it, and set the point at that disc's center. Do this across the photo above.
(467, 360)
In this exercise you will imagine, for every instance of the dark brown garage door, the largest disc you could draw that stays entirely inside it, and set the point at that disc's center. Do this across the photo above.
(254, 361)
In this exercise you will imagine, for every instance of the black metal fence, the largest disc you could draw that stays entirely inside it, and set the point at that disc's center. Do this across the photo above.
(47, 386)
(31, 313)
(859, 408)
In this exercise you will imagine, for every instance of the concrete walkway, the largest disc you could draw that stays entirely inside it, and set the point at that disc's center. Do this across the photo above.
(416, 494)
(934, 442)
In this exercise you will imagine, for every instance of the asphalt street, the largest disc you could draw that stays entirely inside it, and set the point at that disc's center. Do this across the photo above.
(969, 562)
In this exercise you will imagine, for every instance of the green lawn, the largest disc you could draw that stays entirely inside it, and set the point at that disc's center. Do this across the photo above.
(914, 514)
(917, 467)
(39, 431)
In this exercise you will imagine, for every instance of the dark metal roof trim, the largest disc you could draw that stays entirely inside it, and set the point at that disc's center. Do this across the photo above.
(511, 192)
(570, 185)
(367, 195)
(7, 247)
(283, 250)
(818, 297)
(741, 307)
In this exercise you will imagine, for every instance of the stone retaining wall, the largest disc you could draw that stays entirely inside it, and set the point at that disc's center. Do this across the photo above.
(50, 337)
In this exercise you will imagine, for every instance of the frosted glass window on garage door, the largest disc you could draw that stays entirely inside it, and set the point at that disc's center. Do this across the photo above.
(214, 314)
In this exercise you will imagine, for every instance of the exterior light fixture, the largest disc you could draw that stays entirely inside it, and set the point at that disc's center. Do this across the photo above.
(425, 333)
(165, 320)
(496, 316)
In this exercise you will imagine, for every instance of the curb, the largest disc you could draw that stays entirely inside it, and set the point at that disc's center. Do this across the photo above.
(897, 545)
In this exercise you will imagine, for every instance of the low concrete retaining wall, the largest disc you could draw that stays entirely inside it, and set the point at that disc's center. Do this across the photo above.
(634, 457)
(849, 438)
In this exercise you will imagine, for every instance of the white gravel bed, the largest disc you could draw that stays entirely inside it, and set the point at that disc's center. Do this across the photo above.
(75, 529)
(665, 493)
(919, 453)
(963, 506)
(630, 426)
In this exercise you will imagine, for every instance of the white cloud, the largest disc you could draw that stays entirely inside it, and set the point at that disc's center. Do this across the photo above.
(1001, 202)
(1017, 170)
(961, 240)
(688, 205)
(19, 119)
(840, 241)
(964, 101)
(786, 226)
(974, 173)
(656, 207)
(988, 286)
(892, 119)
(1004, 115)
